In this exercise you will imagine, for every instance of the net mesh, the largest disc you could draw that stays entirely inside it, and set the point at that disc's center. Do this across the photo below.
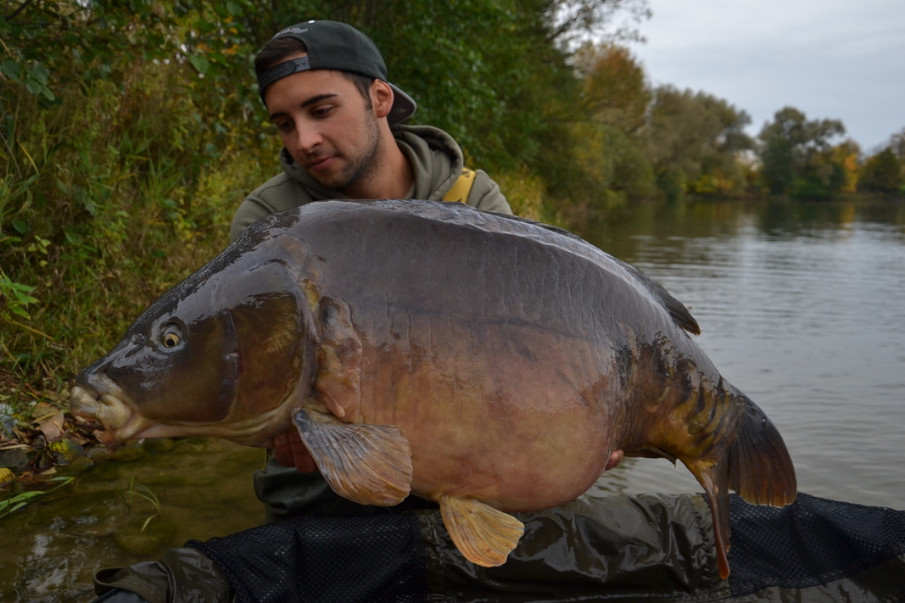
(811, 542)
(371, 558)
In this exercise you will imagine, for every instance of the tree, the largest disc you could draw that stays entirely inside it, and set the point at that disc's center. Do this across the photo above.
(882, 173)
(846, 155)
(897, 144)
(604, 123)
(797, 156)
(694, 141)
(574, 18)
(614, 91)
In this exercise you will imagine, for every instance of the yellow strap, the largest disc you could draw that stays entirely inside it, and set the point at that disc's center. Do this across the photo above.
(461, 187)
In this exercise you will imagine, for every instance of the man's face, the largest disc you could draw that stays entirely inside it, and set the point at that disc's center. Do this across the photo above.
(328, 127)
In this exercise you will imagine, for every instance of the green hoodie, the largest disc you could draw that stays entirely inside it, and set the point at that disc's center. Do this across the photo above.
(436, 161)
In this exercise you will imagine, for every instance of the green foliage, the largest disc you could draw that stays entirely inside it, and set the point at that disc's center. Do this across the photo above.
(694, 143)
(143, 493)
(798, 157)
(16, 297)
(122, 127)
(882, 173)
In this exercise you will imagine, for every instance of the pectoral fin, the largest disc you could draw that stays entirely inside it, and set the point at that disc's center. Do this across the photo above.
(368, 464)
(337, 383)
(484, 535)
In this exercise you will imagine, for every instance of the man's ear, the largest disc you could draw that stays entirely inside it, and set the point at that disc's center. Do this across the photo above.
(381, 98)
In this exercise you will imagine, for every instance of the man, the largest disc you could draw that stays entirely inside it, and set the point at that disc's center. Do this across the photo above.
(325, 88)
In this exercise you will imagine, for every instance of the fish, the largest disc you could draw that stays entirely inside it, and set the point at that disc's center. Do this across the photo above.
(489, 363)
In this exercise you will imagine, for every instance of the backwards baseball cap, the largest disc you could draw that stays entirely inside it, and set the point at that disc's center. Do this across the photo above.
(337, 46)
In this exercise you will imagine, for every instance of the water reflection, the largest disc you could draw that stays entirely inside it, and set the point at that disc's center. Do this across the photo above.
(801, 306)
(51, 549)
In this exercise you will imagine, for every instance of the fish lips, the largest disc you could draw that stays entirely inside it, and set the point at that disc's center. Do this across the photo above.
(99, 400)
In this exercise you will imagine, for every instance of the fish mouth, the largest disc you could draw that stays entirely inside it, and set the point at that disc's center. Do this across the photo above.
(110, 408)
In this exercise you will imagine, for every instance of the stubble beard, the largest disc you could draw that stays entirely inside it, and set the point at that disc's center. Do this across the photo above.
(361, 167)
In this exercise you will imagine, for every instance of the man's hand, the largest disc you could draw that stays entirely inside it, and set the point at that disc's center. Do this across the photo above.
(289, 451)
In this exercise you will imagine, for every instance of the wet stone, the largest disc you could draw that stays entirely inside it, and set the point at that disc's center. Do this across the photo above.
(161, 445)
(131, 451)
(65, 451)
(7, 424)
(98, 453)
(79, 465)
(144, 539)
(6, 476)
(15, 459)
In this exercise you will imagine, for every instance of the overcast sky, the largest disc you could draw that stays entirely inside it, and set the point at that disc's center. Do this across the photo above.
(831, 59)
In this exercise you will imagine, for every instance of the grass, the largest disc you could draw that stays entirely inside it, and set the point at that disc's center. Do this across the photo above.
(19, 501)
(144, 493)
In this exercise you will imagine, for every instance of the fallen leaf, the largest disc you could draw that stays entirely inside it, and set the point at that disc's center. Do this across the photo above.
(52, 427)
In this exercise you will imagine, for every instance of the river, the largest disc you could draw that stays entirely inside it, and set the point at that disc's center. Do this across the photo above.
(802, 306)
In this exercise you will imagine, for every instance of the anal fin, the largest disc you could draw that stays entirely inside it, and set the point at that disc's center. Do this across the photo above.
(714, 479)
(757, 465)
(368, 464)
(484, 535)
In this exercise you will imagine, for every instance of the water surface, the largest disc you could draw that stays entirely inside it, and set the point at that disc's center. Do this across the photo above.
(50, 550)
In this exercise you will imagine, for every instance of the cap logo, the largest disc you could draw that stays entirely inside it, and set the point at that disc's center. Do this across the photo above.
(291, 29)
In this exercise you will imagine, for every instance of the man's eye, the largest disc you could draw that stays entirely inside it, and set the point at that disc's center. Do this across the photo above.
(323, 111)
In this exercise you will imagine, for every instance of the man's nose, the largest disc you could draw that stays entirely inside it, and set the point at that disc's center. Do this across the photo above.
(306, 139)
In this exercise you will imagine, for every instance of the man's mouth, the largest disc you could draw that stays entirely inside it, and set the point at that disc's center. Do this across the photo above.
(319, 164)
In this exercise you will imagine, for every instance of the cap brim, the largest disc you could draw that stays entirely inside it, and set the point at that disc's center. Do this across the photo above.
(404, 106)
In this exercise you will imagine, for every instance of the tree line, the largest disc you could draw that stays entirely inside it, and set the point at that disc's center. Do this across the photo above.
(672, 143)
(131, 129)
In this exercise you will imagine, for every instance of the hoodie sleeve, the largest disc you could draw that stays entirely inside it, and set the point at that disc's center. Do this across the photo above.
(486, 195)
(278, 194)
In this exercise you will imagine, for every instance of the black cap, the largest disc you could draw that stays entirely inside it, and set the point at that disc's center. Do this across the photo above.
(341, 47)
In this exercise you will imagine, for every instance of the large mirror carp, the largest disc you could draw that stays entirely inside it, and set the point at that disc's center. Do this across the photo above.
(489, 363)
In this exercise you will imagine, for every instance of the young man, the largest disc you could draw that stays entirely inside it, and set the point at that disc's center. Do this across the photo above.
(325, 88)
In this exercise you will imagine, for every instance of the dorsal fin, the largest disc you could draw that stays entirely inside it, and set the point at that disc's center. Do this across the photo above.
(677, 310)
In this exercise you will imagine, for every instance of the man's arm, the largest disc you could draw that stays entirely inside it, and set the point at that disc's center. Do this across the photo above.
(250, 211)
(486, 195)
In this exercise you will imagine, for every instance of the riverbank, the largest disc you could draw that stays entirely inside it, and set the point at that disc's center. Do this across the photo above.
(41, 442)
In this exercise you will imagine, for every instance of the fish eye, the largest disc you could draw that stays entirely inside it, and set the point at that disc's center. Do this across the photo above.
(171, 336)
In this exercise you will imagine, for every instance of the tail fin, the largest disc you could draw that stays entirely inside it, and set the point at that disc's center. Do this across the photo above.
(760, 468)
(757, 466)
